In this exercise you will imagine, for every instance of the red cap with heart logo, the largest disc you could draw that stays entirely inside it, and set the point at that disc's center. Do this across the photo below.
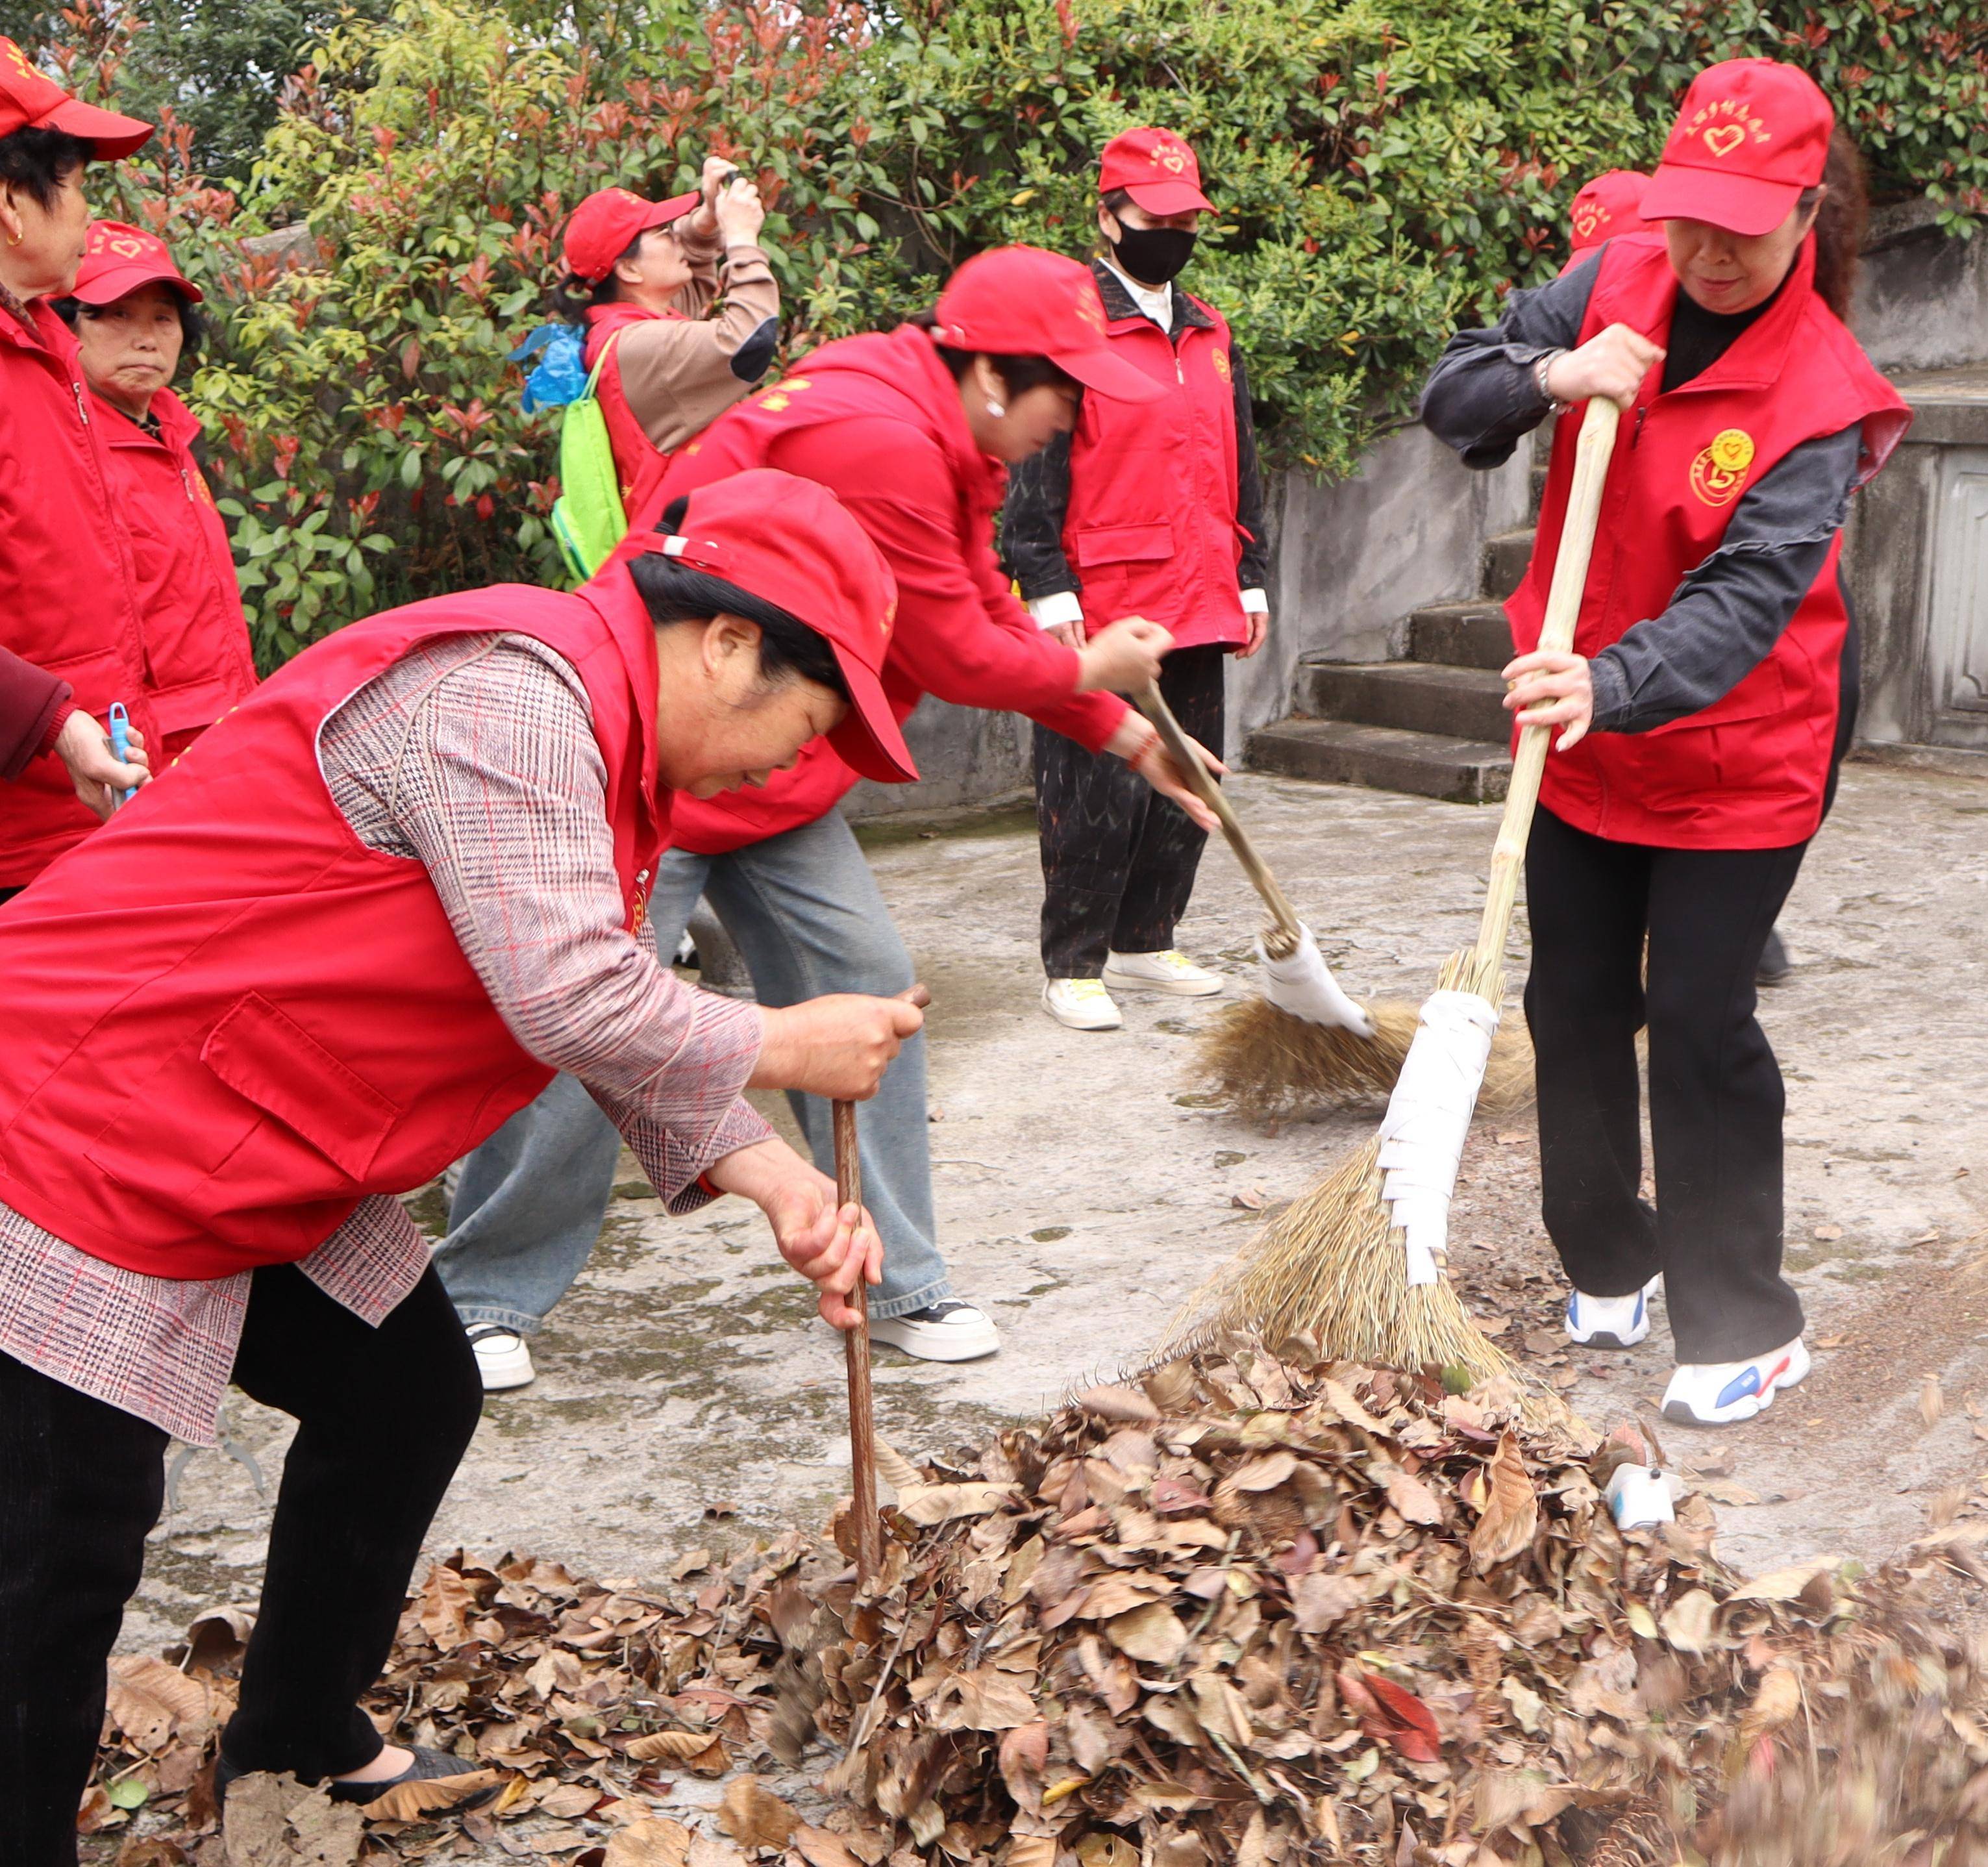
(1156, 168)
(1019, 301)
(791, 543)
(1753, 134)
(1610, 205)
(30, 101)
(604, 226)
(118, 259)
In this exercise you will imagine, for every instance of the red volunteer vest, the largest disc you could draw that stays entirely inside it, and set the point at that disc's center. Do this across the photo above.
(1150, 527)
(635, 453)
(1747, 772)
(228, 1020)
(68, 600)
(198, 660)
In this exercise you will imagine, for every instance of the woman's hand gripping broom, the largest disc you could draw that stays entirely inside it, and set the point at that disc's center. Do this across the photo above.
(1356, 1264)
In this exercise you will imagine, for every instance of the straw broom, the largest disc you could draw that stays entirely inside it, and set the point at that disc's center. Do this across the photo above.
(1355, 1264)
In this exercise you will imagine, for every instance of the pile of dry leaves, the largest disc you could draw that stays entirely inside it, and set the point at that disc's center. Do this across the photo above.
(1244, 1611)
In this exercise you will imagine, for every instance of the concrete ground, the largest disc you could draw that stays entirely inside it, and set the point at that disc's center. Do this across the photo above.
(687, 1397)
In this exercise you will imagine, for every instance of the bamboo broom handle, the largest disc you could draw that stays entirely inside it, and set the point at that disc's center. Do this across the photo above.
(856, 1353)
(1201, 781)
(1596, 443)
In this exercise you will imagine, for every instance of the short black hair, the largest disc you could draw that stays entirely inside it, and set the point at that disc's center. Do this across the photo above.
(39, 161)
(674, 592)
(193, 327)
(574, 298)
(1018, 374)
(1116, 200)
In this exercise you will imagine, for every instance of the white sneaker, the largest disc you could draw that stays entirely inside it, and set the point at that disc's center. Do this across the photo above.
(1167, 972)
(946, 1330)
(1610, 1322)
(1082, 1004)
(503, 1358)
(1717, 1393)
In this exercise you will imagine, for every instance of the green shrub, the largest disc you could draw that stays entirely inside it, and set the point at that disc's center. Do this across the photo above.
(1385, 169)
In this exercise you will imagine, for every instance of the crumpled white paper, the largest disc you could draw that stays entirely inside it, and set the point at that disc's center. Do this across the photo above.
(1302, 984)
(1428, 1115)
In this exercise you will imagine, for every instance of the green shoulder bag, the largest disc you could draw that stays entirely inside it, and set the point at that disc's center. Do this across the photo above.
(587, 517)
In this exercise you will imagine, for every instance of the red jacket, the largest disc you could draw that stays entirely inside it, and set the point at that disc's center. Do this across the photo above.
(1747, 772)
(877, 419)
(198, 660)
(68, 600)
(637, 458)
(224, 1020)
(1151, 528)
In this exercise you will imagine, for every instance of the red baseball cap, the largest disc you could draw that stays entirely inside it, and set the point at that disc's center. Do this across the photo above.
(30, 101)
(605, 225)
(1610, 204)
(118, 259)
(1752, 135)
(1156, 168)
(1019, 301)
(791, 543)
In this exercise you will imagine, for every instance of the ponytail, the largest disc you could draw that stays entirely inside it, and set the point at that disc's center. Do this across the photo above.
(1840, 224)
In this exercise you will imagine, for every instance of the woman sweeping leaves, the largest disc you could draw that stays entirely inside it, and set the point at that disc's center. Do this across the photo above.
(1698, 713)
(374, 911)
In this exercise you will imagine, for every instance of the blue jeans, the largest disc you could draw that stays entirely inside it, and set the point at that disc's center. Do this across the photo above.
(806, 916)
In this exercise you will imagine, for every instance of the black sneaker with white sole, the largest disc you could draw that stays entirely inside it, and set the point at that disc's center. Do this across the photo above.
(946, 1330)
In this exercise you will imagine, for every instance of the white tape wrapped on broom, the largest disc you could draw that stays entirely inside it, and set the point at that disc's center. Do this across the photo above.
(1303, 985)
(1428, 1115)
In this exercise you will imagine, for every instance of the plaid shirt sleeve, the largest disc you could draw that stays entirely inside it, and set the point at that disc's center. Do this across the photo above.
(475, 755)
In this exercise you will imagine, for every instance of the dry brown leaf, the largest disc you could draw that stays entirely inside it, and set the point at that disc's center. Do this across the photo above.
(927, 1505)
(819, 1848)
(274, 1821)
(1123, 1406)
(1687, 1622)
(216, 1638)
(1030, 1851)
(1318, 1600)
(676, 1747)
(1264, 1473)
(1932, 1402)
(984, 1700)
(569, 1801)
(1153, 1633)
(753, 1816)
(150, 1701)
(708, 1850)
(1511, 1512)
(651, 1843)
(1785, 1585)
(448, 1602)
(1775, 1704)
(1416, 1501)
(410, 1802)
(896, 1470)
(1107, 1851)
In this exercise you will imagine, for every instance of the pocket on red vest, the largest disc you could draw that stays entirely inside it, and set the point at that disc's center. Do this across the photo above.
(1124, 544)
(254, 1115)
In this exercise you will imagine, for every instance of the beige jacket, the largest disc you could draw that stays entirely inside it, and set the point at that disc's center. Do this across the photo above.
(679, 377)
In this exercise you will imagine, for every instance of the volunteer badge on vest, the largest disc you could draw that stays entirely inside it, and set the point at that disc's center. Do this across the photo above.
(782, 394)
(1220, 359)
(1719, 469)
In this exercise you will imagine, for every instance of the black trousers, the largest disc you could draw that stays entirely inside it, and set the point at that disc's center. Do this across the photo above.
(1715, 1094)
(1118, 859)
(383, 1416)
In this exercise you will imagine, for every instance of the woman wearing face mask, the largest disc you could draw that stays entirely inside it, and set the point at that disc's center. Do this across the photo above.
(1154, 508)
(909, 430)
(69, 602)
(1699, 715)
(134, 315)
(643, 277)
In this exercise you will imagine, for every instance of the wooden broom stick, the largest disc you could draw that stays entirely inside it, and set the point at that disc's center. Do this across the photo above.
(856, 1352)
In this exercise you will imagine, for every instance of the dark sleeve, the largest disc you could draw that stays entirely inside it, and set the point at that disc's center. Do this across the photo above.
(1479, 398)
(1253, 573)
(28, 701)
(1032, 522)
(1724, 618)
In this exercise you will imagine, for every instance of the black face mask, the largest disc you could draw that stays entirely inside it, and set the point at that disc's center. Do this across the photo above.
(1152, 254)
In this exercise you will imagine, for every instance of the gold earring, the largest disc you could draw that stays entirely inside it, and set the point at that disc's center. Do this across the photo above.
(14, 240)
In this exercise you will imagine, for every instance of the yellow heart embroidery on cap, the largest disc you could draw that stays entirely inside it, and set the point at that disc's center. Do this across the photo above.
(1725, 139)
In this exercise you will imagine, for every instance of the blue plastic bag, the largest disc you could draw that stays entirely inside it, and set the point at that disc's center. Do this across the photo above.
(561, 374)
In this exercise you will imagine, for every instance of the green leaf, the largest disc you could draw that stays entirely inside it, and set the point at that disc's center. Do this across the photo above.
(128, 1792)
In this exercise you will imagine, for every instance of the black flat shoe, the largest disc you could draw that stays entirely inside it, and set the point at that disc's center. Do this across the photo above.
(428, 1766)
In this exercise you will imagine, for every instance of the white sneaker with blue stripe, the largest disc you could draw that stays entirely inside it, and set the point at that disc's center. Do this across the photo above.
(1610, 1322)
(1718, 1393)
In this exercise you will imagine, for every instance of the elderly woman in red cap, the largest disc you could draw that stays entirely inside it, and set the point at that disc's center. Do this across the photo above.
(912, 431)
(1603, 209)
(1702, 710)
(68, 598)
(679, 307)
(1153, 509)
(134, 316)
(387, 897)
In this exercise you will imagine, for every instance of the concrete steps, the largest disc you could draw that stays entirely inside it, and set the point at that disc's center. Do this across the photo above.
(1432, 724)
(1384, 758)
